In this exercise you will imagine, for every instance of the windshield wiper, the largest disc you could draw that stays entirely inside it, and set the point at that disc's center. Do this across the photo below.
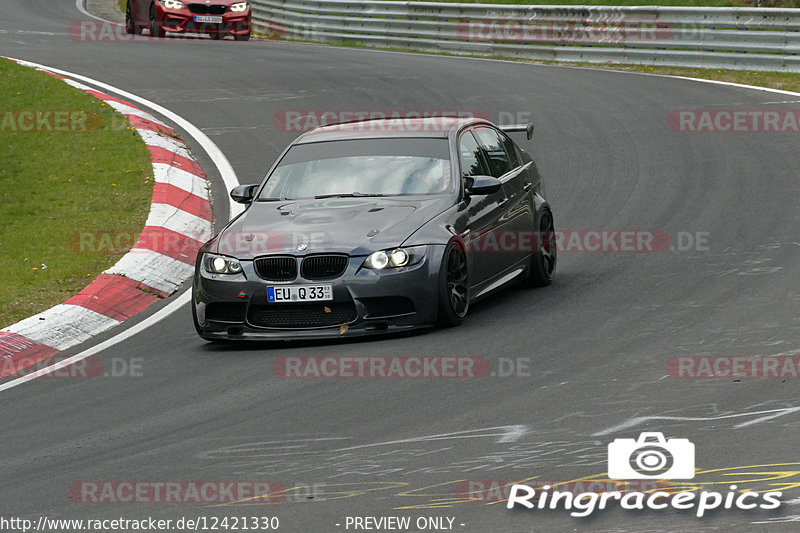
(269, 199)
(347, 195)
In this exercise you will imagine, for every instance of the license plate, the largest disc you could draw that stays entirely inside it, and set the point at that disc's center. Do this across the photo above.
(299, 293)
(208, 19)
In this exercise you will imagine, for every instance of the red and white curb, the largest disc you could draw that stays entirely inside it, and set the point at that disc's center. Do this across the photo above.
(161, 260)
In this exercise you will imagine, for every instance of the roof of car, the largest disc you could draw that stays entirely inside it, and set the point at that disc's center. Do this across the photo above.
(431, 127)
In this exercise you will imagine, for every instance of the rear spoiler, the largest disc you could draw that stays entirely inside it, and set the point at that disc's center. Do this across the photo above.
(527, 128)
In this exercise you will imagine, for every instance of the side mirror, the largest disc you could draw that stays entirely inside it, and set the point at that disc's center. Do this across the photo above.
(484, 185)
(243, 194)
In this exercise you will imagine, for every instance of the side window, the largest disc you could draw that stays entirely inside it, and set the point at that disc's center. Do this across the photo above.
(499, 163)
(511, 150)
(469, 153)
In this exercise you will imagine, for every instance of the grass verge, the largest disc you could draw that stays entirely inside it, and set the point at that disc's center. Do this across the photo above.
(92, 176)
(773, 80)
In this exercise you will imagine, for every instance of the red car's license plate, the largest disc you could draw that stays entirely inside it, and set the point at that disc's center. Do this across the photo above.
(208, 19)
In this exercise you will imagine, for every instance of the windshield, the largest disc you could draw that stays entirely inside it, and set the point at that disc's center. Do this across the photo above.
(362, 167)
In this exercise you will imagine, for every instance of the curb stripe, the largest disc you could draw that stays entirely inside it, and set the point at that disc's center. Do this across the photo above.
(166, 193)
(173, 219)
(169, 243)
(114, 296)
(108, 99)
(181, 179)
(168, 143)
(63, 326)
(162, 155)
(153, 269)
(18, 352)
(178, 224)
(141, 123)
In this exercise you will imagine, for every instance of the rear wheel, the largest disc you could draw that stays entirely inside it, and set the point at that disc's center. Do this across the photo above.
(156, 30)
(453, 286)
(543, 261)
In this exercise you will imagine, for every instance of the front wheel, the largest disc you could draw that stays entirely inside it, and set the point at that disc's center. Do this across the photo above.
(156, 30)
(453, 286)
(242, 37)
(543, 261)
(130, 26)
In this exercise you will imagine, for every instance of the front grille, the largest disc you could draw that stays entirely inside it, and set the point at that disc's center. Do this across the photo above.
(276, 268)
(323, 266)
(302, 315)
(205, 9)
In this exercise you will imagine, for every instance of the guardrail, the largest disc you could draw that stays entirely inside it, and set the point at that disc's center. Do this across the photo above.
(762, 39)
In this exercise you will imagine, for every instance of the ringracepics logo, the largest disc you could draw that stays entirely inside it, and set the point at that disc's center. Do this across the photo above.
(651, 456)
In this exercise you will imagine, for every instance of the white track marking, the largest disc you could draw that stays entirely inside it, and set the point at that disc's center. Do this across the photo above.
(633, 422)
(79, 6)
(505, 434)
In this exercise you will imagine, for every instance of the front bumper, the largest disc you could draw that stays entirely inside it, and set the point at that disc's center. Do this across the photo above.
(184, 21)
(365, 302)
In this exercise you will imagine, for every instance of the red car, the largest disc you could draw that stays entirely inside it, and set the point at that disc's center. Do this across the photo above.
(217, 18)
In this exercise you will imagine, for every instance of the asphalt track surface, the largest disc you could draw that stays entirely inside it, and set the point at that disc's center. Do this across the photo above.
(597, 341)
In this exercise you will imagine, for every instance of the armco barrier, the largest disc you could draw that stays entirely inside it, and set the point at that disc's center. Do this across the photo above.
(699, 37)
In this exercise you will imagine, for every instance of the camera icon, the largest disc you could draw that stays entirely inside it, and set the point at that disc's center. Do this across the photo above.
(651, 457)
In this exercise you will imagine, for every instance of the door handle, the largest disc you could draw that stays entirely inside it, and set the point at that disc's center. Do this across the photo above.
(527, 185)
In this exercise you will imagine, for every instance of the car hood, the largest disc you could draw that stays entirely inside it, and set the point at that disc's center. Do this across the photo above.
(355, 226)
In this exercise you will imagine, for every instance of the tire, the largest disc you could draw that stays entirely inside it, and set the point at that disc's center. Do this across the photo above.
(242, 37)
(453, 286)
(156, 30)
(131, 27)
(543, 261)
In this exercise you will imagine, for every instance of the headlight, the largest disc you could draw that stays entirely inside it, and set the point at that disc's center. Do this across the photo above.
(221, 264)
(241, 6)
(399, 257)
(172, 4)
